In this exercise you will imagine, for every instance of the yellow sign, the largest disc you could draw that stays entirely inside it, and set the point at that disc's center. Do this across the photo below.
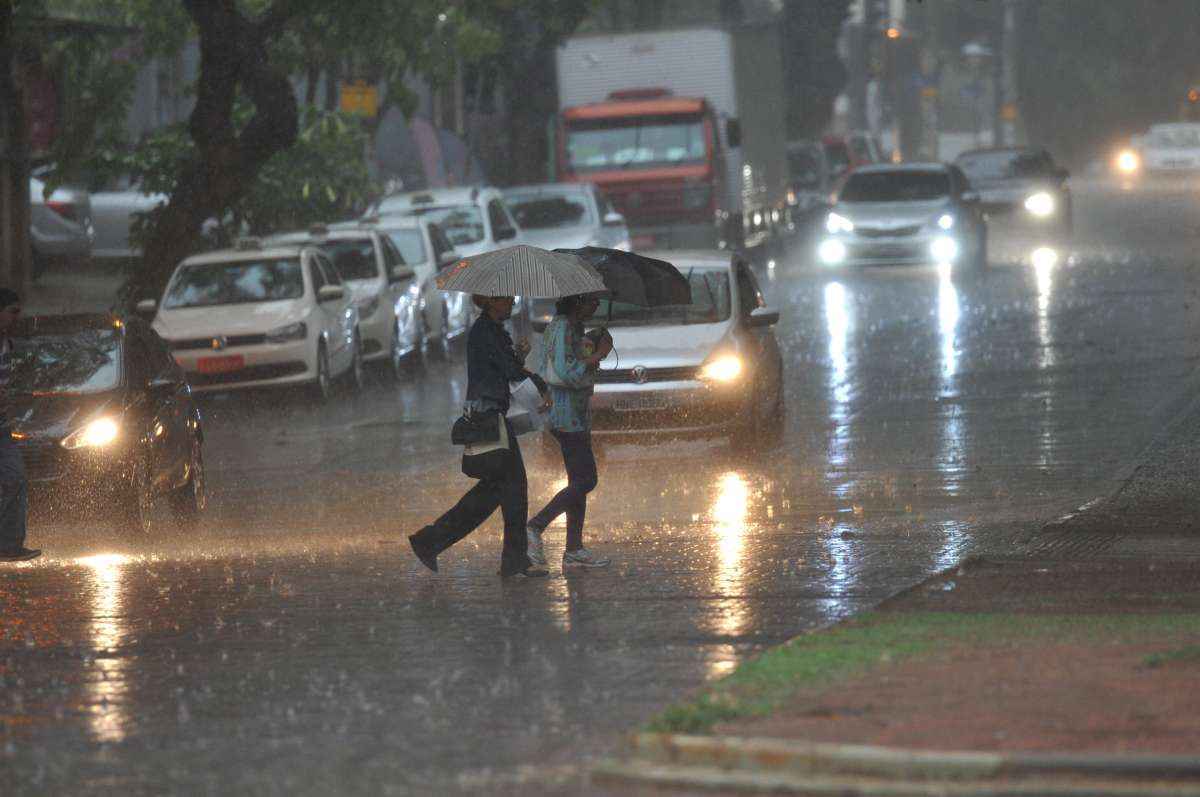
(1008, 112)
(359, 98)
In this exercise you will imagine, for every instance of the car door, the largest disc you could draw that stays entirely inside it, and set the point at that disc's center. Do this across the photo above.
(760, 344)
(401, 278)
(458, 309)
(170, 391)
(344, 318)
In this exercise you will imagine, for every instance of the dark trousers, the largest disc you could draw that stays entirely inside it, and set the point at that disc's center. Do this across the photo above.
(14, 495)
(510, 493)
(581, 480)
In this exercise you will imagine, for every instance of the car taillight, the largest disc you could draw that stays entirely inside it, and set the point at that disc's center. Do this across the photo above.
(67, 210)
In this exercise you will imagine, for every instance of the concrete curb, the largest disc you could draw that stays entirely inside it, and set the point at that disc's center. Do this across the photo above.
(748, 764)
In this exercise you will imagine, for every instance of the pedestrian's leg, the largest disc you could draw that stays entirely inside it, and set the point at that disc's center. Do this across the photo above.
(514, 503)
(464, 517)
(14, 497)
(561, 500)
(581, 480)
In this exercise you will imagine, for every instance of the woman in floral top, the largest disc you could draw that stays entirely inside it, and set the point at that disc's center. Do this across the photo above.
(569, 364)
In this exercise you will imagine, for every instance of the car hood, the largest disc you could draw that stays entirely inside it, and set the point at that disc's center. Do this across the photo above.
(189, 322)
(54, 416)
(665, 346)
(891, 214)
(561, 237)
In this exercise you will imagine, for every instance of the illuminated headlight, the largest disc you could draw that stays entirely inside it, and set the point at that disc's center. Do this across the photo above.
(1128, 162)
(944, 249)
(725, 368)
(96, 434)
(831, 251)
(367, 309)
(945, 221)
(296, 331)
(1040, 204)
(835, 223)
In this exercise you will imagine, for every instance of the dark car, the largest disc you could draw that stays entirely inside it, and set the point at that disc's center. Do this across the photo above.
(1022, 181)
(810, 181)
(104, 417)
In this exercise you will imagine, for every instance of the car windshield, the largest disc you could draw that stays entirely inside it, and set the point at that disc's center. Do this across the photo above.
(898, 186)
(838, 156)
(1002, 165)
(354, 259)
(622, 144)
(87, 361)
(1177, 138)
(241, 282)
(410, 245)
(711, 304)
(541, 211)
(805, 167)
(463, 224)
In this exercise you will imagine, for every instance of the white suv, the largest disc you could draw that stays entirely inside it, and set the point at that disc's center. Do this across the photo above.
(476, 220)
(257, 316)
(381, 282)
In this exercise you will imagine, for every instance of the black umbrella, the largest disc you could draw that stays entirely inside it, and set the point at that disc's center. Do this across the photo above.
(635, 279)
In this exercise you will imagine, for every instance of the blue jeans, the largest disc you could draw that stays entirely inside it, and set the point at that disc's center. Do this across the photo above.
(581, 480)
(14, 495)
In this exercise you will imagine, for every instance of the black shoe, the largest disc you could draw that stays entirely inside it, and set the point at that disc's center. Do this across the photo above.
(427, 557)
(533, 571)
(20, 554)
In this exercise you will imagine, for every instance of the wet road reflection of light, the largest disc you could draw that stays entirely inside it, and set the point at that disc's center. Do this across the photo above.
(728, 513)
(106, 685)
(837, 321)
(1044, 260)
(948, 316)
(950, 459)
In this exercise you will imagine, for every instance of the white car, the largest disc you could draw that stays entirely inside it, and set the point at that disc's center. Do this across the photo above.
(567, 216)
(382, 281)
(476, 220)
(425, 248)
(258, 316)
(1171, 150)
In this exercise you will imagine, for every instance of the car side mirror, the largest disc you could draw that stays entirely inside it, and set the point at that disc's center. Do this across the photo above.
(400, 273)
(733, 133)
(447, 258)
(613, 219)
(970, 197)
(146, 306)
(763, 317)
(506, 233)
(331, 293)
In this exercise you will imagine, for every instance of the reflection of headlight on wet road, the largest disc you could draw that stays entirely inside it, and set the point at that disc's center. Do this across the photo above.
(1128, 162)
(944, 249)
(1043, 257)
(725, 368)
(96, 434)
(831, 252)
(1040, 204)
(835, 223)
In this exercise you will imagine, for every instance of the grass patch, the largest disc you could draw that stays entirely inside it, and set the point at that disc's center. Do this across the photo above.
(876, 640)
(1189, 654)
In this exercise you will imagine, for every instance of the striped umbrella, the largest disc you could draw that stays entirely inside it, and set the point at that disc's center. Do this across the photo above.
(521, 271)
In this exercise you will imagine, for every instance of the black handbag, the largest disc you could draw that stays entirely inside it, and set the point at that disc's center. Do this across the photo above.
(476, 427)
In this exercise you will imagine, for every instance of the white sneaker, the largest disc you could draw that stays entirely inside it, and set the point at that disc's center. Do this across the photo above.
(535, 551)
(584, 558)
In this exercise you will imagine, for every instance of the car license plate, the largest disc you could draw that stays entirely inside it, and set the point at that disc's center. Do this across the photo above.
(642, 403)
(643, 242)
(221, 365)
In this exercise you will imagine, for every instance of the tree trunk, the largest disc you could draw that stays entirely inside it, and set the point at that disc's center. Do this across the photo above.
(15, 253)
(232, 57)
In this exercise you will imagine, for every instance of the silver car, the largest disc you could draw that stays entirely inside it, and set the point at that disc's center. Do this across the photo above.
(706, 369)
(567, 216)
(115, 208)
(60, 225)
(905, 214)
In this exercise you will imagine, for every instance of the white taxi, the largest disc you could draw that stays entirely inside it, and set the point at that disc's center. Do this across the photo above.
(258, 316)
(382, 282)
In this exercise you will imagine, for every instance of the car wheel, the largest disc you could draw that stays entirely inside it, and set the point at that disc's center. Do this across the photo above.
(356, 375)
(137, 503)
(322, 385)
(189, 501)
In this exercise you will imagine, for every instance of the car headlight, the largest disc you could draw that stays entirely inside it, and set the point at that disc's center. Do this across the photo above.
(945, 221)
(831, 251)
(726, 368)
(944, 249)
(95, 434)
(367, 309)
(835, 223)
(1040, 204)
(1128, 162)
(296, 331)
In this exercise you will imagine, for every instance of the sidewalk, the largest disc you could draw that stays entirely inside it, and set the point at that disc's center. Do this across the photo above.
(1070, 667)
(86, 291)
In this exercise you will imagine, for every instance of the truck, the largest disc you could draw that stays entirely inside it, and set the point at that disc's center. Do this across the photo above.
(682, 129)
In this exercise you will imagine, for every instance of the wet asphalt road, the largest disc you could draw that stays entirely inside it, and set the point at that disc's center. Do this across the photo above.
(293, 645)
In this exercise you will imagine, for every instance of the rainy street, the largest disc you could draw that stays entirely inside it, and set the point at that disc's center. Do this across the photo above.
(294, 644)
